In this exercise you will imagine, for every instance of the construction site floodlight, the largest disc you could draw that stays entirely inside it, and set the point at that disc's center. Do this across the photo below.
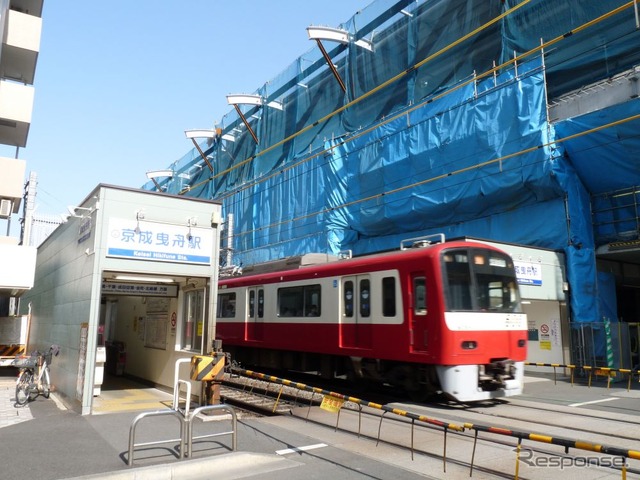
(245, 99)
(193, 134)
(159, 174)
(328, 33)
(257, 100)
(201, 133)
(336, 35)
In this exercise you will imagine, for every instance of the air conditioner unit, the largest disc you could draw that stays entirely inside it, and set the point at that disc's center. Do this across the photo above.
(5, 208)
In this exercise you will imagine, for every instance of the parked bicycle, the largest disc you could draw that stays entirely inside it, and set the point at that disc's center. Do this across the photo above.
(34, 377)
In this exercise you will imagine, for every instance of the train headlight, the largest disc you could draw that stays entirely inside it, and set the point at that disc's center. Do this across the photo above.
(469, 345)
(522, 342)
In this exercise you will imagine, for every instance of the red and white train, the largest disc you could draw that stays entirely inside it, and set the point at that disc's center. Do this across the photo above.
(431, 317)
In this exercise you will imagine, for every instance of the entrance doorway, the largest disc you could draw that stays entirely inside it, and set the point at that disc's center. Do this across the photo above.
(146, 324)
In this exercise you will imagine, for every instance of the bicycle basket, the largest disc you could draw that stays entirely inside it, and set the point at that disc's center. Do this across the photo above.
(25, 362)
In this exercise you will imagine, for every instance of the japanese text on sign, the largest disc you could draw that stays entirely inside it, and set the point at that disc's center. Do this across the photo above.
(331, 404)
(528, 273)
(159, 242)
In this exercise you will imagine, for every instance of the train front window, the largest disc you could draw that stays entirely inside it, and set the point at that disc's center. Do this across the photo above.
(480, 280)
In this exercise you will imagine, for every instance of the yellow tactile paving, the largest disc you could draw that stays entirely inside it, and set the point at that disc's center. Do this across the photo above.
(131, 399)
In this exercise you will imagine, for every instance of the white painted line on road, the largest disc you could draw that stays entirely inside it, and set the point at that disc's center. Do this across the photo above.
(592, 402)
(301, 449)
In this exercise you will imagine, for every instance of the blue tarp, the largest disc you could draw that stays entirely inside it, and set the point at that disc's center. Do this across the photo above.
(415, 147)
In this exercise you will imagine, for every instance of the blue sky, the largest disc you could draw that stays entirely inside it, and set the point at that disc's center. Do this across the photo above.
(118, 82)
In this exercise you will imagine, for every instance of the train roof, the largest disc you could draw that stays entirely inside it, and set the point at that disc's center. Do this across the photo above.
(322, 265)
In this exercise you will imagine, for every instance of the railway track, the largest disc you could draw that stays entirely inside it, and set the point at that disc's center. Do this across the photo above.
(274, 399)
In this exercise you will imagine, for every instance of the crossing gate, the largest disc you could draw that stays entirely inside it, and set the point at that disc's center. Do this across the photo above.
(206, 368)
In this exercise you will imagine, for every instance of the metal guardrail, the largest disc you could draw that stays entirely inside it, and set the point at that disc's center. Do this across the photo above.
(598, 371)
(233, 432)
(186, 421)
(155, 413)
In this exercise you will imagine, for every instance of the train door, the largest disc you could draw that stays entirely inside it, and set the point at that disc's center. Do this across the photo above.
(255, 314)
(419, 338)
(356, 325)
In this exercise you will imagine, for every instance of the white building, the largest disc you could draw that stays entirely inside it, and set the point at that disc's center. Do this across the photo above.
(20, 28)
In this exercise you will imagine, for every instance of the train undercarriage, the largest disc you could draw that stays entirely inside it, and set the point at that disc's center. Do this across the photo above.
(501, 377)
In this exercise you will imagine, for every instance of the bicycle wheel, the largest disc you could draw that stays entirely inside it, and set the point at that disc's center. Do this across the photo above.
(46, 383)
(23, 387)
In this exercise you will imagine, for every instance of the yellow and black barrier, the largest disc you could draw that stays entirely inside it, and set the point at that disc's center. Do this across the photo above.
(564, 442)
(336, 406)
(445, 426)
(210, 370)
(206, 368)
(598, 371)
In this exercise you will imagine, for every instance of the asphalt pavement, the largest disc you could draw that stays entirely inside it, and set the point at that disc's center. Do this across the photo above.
(43, 440)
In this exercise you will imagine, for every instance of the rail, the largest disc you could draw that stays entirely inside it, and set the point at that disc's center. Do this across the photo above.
(336, 400)
(155, 413)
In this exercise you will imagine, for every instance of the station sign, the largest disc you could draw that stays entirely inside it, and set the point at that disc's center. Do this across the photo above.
(159, 242)
(139, 289)
(528, 273)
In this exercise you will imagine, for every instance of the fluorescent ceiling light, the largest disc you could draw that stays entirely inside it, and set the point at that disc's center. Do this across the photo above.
(135, 278)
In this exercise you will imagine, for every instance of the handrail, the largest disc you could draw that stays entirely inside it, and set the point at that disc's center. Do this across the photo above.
(232, 432)
(176, 385)
(176, 396)
(132, 432)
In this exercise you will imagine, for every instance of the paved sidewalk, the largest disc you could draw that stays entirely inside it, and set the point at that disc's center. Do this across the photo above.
(9, 414)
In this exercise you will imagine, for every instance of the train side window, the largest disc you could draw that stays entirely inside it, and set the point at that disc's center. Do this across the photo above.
(252, 303)
(227, 305)
(389, 297)
(299, 301)
(312, 301)
(420, 295)
(365, 298)
(260, 303)
(348, 299)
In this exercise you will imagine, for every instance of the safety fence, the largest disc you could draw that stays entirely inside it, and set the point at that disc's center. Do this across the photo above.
(186, 430)
(607, 372)
(333, 401)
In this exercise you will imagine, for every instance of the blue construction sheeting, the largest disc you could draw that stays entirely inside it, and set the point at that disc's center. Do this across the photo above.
(429, 137)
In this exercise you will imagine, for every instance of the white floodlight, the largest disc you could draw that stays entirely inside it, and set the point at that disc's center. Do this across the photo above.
(201, 133)
(328, 33)
(159, 174)
(336, 35)
(211, 134)
(244, 99)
